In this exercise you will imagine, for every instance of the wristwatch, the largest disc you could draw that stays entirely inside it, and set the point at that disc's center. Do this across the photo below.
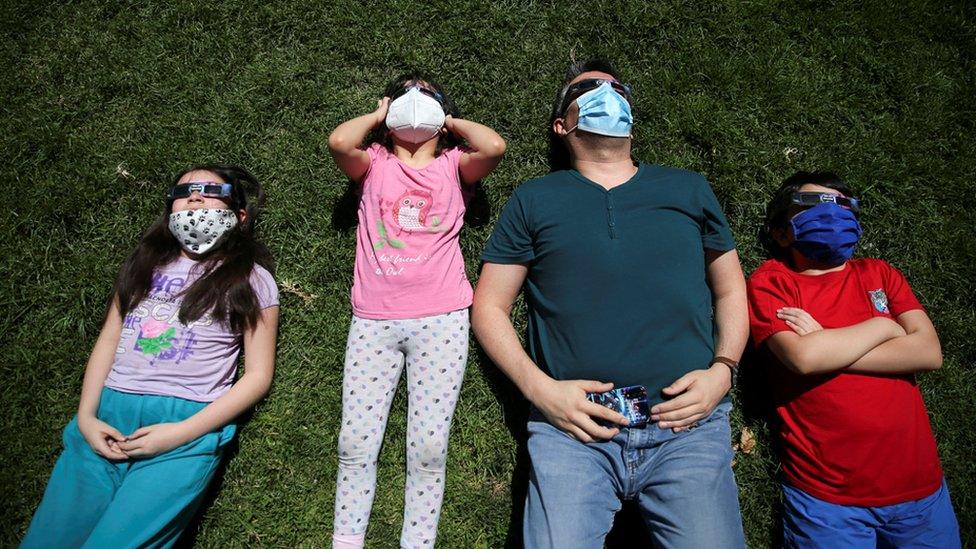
(732, 364)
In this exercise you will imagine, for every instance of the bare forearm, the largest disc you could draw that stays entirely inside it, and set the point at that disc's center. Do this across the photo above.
(732, 324)
(494, 330)
(247, 392)
(351, 133)
(830, 350)
(100, 363)
(479, 137)
(907, 354)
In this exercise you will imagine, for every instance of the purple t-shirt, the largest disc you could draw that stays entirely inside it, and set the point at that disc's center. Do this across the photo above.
(159, 355)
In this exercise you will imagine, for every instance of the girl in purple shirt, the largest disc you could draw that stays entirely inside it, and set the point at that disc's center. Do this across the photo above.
(158, 400)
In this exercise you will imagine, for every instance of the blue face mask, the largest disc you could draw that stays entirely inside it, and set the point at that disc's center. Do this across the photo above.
(603, 111)
(826, 233)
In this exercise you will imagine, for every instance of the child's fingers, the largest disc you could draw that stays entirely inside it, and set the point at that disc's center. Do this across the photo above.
(795, 327)
(113, 432)
(130, 446)
(140, 432)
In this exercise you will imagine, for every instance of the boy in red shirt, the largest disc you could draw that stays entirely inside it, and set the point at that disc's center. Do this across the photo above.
(843, 339)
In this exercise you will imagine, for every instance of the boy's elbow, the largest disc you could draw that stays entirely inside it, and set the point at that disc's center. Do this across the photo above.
(802, 361)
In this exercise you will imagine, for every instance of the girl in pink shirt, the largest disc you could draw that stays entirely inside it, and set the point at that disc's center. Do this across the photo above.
(410, 293)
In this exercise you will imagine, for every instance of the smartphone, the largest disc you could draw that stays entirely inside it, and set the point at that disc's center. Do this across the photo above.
(629, 401)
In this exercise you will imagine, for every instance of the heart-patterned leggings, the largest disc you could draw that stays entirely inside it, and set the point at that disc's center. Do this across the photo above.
(434, 350)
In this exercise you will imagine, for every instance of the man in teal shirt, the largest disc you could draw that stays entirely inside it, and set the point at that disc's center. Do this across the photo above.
(631, 278)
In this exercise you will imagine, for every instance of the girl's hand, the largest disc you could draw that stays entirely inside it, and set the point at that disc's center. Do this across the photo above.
(382, 107)
(153, 440)
(448, 125)
(102, 437)
(798, 320)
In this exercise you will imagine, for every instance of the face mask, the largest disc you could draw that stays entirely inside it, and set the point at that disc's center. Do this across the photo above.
(603, 111)
(199, 231)
(826, 233)
(415, 117)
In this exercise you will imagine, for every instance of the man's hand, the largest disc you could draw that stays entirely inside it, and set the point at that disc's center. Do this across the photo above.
(564, 404)
(102, 437)
(694, 396)
(152, 440)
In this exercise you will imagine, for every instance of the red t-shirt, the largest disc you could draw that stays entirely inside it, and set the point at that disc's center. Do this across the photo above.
(846, 438)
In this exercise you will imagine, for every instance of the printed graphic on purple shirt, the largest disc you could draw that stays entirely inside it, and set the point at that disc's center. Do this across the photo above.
(157, 354)
(156, 322)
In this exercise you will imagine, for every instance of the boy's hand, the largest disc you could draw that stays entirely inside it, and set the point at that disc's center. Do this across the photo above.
(798, 320)
(102, 437)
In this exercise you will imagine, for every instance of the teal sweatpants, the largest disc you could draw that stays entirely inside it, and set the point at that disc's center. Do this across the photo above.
(91, 501)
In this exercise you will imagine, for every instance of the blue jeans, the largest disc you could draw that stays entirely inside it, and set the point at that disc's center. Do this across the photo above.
(682, 482)
(926, 522)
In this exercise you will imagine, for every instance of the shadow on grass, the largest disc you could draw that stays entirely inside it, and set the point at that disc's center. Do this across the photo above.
(189, 537)
(628, 527)
(754, 398)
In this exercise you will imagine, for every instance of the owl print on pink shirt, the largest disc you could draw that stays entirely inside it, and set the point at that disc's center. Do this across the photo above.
(410, 214)
(410, 210)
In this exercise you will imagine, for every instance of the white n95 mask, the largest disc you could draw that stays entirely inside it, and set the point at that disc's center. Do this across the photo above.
(199, 231)
(415, 117)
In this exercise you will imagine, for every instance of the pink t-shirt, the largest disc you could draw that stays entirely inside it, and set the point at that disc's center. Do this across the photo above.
(159, 355)
(408, 258)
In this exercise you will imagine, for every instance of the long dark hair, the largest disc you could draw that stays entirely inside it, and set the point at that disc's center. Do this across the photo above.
(778, 209)
(558, 153)
(224, 288)
(381, 134)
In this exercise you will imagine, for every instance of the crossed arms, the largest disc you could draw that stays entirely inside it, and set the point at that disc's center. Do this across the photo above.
(878, 345)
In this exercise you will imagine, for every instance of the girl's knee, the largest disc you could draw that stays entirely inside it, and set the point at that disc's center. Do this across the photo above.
(429, 457)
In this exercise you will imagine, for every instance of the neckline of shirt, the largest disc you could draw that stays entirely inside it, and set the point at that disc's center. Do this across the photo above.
(426, 166)
(580, 177)
(848, 266)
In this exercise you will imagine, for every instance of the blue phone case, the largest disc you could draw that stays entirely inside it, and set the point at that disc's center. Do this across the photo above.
(629, 401)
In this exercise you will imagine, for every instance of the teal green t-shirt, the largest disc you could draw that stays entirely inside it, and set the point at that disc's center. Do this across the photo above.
(616, 288)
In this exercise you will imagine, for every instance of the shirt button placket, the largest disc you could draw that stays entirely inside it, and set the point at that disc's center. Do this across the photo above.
(611, 220)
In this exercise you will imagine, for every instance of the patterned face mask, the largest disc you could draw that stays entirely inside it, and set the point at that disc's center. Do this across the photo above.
(199, 231)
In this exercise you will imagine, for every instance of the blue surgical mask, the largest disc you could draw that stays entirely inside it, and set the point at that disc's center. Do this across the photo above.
(826, 233)
(603, 111)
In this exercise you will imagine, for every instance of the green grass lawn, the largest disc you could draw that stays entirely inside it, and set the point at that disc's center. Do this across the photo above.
(102, 102)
